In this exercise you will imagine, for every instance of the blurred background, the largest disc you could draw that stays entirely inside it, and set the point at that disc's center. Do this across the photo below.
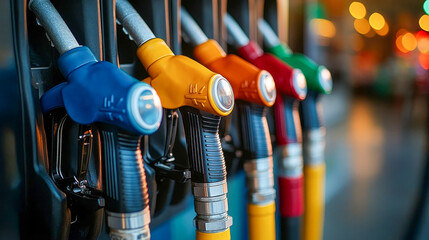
(378, 52)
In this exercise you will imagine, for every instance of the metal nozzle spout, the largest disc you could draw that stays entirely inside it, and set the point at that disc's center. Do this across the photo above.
(52, 22)
(191, 28)
(132, 23)
(237, 34)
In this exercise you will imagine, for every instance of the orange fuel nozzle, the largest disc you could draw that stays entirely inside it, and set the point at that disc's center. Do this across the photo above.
(248, 82)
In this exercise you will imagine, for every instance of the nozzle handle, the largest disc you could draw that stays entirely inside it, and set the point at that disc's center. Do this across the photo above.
(125, 180)
(53, 23)
(191, 29)
(287, 120)
(205, 153)
(255, 134)
(133, 23)
(270, 37)
(309, 112)
(238, 36)
(125, 186)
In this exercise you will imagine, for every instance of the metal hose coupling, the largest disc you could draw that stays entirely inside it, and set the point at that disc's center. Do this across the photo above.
(290, 160)
(211, 206)
(260, 180)
(314, 146)
(129, 226)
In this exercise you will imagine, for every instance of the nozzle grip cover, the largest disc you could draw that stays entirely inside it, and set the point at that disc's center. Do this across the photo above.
(125, 184)
(281, 72)
(287, 121)
(255, 135)
(95, 91)
(205, 153)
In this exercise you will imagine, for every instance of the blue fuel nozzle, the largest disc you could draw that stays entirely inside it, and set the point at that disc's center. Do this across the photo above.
(100, 92)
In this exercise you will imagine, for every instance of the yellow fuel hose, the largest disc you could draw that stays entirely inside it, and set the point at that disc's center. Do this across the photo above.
(225, 235)
(262, 224)
(314, 201)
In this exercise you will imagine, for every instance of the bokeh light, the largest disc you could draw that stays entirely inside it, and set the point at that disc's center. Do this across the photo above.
(424, 22)
(422, 42)
(384, 31)
(409, 41)
(426, 7)
(357, 10)
(362, 26)
(424, 60)
(323, 27)
(376, 20)
(423, 45)
(399, 44)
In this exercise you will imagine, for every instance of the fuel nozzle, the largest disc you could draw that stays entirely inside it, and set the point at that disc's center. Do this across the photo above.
(289, 81)
(248, 82)
(178, 80)
(110, 96)
(122, 107)
(203, 97)
(318, 76)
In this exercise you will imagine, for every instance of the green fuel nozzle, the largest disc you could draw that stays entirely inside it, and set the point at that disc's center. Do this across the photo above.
(318, 76)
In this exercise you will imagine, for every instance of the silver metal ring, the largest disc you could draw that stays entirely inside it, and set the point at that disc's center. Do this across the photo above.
(126, 221)
(216, 96)
(211, 206)
(260, 180)
(314, 146)
(290, 160)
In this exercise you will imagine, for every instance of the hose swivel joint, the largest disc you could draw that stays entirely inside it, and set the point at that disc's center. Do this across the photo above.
(314, 147)
(260, 180)
(290, 160)
(129, 226)
(211, 206)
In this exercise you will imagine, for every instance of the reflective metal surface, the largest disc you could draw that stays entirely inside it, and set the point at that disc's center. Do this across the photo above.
(290, 160)
(129, 226)
(260, 180)
(211, 206)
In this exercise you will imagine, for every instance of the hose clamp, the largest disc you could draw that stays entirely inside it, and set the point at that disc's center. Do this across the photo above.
(211, 206)
(314, 146)
(290, 160)
(129, 226)
(260, 180)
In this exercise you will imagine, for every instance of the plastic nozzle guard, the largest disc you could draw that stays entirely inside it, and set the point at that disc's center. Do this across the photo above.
(287, 79)
(318, 77)
(248, 82)
(100, 92)
(180, 81)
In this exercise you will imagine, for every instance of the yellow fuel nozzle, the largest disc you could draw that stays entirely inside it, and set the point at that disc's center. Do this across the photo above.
(180, 81)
